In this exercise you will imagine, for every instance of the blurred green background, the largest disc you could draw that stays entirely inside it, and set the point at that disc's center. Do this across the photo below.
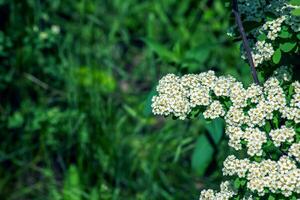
(76, 80)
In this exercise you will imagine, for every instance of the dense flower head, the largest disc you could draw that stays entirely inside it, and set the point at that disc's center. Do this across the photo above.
(206, 90)
(262, 51)
(252, 115)
(226, 192)
(272, 28)
(282, 135)
(214, 110)
(294, 151)
(280, 176)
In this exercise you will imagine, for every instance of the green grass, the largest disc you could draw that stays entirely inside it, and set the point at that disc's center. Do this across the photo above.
(75, 114)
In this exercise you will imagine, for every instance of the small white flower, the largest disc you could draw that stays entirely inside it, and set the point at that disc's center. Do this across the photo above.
(43, 35)
(55, 29)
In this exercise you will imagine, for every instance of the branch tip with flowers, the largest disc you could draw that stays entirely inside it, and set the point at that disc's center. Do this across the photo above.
(262, 119)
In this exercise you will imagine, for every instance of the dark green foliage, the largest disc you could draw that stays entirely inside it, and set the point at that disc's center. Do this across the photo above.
(74, 115)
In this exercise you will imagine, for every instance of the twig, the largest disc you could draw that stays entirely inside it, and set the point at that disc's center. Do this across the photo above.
(239, 23)
(42, 84)
(36, 81)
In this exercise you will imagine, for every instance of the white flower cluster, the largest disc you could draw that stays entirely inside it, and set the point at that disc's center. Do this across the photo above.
(280, 176)
(179, 95)
(259, 11)
(262, 51)
(282, 135)
(254, 138)
(273, 27)
(292, 111)
(295, 102)
(214, 110)
(178, 98)
(295, 151)
(226, 192)
(247, 113)
(172, 97)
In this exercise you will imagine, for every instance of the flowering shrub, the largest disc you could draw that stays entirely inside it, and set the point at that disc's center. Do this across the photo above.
(262, 120)
(276, 29)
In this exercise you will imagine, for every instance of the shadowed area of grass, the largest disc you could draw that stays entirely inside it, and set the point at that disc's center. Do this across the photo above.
(76, 81)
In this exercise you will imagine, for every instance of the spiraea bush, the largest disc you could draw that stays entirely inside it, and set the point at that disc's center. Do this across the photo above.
(75, 78)
(262, 119)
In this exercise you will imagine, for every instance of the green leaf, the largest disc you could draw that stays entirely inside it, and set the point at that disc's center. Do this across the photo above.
(296, 12)
(72, 189)
(257, 158)
(199, 54)
(298, 129)
(285, 34)
(276, 56)
(202, 155)
(293, 197)
(148, 102)
(262, 37)
(295, 2)
(162, 51)
(268, 127)
(237, 183)
(276, 120)
(94, 194)
(243, 182)
(88, 76)
(271, 197)
(215, 129)
(288, 46)
(16, 120)
(290, 92)
(298, 36)
(289, 123)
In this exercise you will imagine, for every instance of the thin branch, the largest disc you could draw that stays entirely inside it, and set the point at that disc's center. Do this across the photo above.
(239, 23)
(42, 84)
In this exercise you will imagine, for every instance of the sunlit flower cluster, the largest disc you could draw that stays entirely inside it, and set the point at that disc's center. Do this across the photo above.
(295, 101)
(172, 98)
(226, 192)
(280, 176)
(214, 110)
(272, 28)
(282, 135)
(262, 51)
(294, 151)
(179, 95)
(176, 97)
